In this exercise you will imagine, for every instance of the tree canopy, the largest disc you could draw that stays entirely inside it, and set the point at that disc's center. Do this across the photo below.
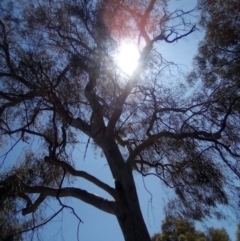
(238, 233)
(178, 229)
(59, 83)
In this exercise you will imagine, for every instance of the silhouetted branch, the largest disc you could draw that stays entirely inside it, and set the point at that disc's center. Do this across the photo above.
(69, 169)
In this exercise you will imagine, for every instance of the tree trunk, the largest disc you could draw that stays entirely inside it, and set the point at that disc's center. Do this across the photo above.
(127, 208)
(128, 211)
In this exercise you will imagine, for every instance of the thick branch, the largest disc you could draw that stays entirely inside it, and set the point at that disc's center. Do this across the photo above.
(32, 207)
(144, 19)
(67, 117)
(97, 123)
(82, 174)
(200, 135)
(92, 199)
(77, 123)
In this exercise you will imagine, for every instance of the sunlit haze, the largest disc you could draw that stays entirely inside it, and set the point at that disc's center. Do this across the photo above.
(127, 57)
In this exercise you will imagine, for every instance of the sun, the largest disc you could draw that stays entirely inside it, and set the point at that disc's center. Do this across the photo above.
(127, 57)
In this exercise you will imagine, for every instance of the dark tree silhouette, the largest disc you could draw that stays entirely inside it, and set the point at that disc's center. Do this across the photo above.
(176, 228)
(59, 80)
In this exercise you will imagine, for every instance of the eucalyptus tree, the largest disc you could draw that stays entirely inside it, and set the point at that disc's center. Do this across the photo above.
(59, 82)
(219, 52)
(217, 67)
(217, 234)
(238, 233)
(176, 228)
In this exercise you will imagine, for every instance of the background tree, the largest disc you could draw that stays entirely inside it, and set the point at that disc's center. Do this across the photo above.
(219, 52)
(59, 83)
(178, 229)
(217, 66)
(217, 234)
(238, 233)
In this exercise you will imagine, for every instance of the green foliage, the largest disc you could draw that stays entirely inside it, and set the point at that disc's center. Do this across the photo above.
(179, 229)
(59, 84)
(238, 233)
(217, 66)
(219, 52)
(217, 62)
(217, 235)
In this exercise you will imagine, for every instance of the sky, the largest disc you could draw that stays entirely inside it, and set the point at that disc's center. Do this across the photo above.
(98, 225)
(152, 195)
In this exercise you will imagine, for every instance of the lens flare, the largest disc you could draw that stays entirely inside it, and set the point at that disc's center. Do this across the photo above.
(127, 58)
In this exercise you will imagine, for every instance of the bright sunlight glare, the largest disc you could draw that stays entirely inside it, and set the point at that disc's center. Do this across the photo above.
(127, 58)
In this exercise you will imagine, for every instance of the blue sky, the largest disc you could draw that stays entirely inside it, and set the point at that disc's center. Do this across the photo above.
(152, 195)
(101, 226)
